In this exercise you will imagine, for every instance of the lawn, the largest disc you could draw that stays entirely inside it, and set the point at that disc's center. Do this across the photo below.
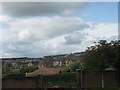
(117, 88)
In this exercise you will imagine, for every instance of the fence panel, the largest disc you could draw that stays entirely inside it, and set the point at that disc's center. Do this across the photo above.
(92, 80)
(66, 80)
(110, 79)
(22, 82)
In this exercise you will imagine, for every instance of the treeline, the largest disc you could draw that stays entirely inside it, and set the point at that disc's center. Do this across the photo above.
(20, 72)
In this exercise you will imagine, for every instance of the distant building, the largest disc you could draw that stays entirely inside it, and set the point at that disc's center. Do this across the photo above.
(46, 61)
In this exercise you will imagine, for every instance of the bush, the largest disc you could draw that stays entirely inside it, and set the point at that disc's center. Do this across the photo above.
(62, 78)
(28, 69)
(10, 71)
(72, 67)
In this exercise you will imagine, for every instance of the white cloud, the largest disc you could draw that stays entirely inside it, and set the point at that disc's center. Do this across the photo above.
(102, 30)
(41, 28)
(55, 42)
(35, 37)
(24, 35)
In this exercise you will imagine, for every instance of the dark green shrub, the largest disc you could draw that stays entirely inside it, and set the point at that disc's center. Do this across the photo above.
(62, 78)
(28, 69)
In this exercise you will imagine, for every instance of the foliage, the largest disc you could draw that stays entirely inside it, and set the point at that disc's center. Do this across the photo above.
(102, 55)
(116, 54)
(19, 71)
(72, 67)
(60, 78)
(11, 73)
(28, 69)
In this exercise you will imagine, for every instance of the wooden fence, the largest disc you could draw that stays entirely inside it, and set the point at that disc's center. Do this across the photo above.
(84, 79)
(22, 82)
(106, 79)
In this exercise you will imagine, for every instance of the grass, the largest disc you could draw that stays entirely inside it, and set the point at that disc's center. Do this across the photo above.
(116, 88)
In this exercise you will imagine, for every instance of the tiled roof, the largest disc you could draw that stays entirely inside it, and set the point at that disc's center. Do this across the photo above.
(44, 71)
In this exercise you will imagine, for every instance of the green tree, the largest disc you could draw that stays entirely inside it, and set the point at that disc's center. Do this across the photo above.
(72, 67)
(28, 69)
(10, 72)
(102, 55)
(115, 47)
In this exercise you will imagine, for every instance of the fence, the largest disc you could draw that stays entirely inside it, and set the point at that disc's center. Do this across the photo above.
(65, 80)
(22, 82)
(83, 79)
(106, 79)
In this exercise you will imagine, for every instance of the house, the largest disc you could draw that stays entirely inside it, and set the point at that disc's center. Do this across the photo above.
(44, 71)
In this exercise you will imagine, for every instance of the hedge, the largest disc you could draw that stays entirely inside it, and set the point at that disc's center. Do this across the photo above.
(62, 78)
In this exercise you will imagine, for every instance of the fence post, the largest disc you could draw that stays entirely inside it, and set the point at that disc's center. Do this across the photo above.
(80, 79)
(118, 77)
(39, 80)
(103, 79)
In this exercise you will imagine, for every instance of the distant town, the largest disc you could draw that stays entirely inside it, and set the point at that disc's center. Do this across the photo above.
(46, 61)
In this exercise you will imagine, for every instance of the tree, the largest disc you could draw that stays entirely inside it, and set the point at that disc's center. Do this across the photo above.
(28, 69)
(10, 72)
(115, 47)
(72, 67)
(102, 55)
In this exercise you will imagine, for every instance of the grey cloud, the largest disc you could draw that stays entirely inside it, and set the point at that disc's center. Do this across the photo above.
(118, 32)
(4, 25)
(21, 9)
(11, 49)
(118, 37)
(75, 38)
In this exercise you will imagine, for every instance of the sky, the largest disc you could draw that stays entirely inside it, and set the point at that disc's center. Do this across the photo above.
(36, 29)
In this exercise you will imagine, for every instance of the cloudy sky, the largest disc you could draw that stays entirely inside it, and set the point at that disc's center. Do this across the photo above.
(36, 29)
